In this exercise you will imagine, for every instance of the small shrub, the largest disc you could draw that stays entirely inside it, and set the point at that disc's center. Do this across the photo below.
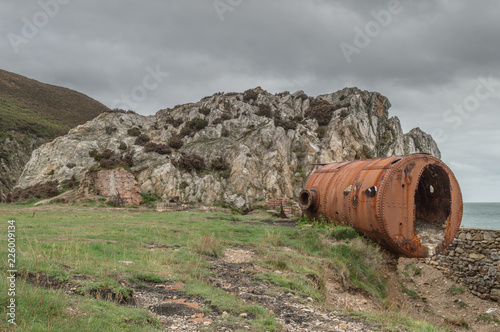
(265, 110)
(142, 140)
(149, 147)
(204, 110)
(197, 124)
(186, 131)
(176, 142)
(110, 129)
(344, 113)
(42, 190)
(321, 110)
(70, 184)
(193, 126)
(174, 122)
(250, 95)
(113, 162)
(70, 165)
(123, 146)
(226, 116)
(108, 159)
(321, 132)
(134, 132)
(94, 154)
(191, 162)
(128, 158)
(107, 154)
(287, 125)
(220, 164)
(183, 185)
(149, 199)
(163, 149)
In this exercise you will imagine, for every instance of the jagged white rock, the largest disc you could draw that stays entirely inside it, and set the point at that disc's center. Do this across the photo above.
(266, 161)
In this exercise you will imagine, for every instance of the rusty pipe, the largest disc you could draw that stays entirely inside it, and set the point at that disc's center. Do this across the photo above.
(411, 204)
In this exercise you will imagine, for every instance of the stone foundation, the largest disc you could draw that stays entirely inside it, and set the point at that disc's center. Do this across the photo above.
(113, 182)
(474, 259)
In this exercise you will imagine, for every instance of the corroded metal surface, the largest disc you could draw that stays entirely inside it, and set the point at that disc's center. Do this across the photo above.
(411, 204)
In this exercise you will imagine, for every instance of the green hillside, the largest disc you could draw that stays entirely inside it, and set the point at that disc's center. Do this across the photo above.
(33, 113)
(45, 110)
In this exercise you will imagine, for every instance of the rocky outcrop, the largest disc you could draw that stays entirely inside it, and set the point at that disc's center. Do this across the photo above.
(15, 151)
(255, 145)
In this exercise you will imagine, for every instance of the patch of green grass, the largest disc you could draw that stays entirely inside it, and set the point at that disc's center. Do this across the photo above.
(410, 292)
(393, 321)
(95, 243)
(107, 289)
(294, 283)
(415, 269)
(321, 223)
(488, 318)
(149, 277)
(39, 309)
(343, 233)
(462, 304)
(208, 245)
(265, 321)
(454, 289)
(15, 116)
(149, 199)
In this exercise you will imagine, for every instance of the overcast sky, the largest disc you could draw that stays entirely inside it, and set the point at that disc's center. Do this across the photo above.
(438, 62)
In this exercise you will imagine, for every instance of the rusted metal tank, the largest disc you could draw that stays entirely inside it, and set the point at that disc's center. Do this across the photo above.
(410, 204)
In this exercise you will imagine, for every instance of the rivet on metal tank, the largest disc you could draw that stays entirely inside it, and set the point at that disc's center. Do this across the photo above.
(411, 204)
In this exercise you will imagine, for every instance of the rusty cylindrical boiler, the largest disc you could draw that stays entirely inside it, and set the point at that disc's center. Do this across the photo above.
(411, 204)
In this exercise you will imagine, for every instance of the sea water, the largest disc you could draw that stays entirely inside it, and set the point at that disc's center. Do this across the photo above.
(481, 215)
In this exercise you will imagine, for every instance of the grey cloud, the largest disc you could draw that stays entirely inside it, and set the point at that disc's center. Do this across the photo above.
(426, 60)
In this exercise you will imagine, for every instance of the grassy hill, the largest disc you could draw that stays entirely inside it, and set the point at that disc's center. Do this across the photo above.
(41, 109)
(33, 113)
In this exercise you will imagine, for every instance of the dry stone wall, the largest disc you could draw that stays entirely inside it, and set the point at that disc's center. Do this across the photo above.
(474, 259)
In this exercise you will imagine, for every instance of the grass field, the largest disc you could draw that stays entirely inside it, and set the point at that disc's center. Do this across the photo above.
(86, 247)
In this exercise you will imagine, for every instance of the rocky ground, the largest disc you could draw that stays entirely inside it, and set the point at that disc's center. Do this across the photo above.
(234, 273)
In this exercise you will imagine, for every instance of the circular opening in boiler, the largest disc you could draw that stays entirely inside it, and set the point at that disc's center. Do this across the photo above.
(304, 198)
(432, 206)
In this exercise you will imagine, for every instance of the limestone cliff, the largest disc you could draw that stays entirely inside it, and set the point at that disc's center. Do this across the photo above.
(255, 145)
